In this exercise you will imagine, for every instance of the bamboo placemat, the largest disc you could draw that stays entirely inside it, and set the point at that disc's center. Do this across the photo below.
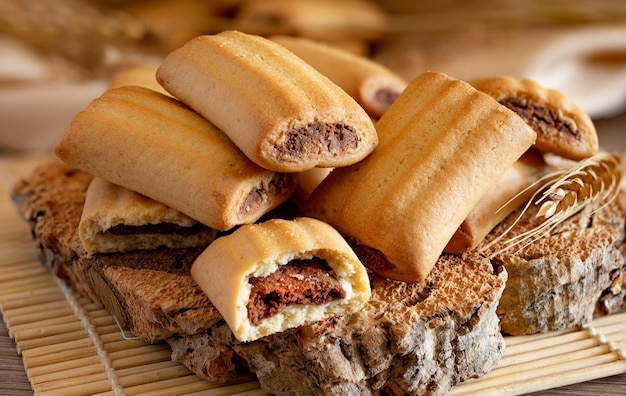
(71, 346)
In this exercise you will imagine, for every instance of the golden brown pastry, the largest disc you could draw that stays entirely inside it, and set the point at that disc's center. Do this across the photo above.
(281, 112)
(268, 277)
(562, 127)
(116, 219)
(443, 145)
(373, 85)
(154, 145)
(510, 192)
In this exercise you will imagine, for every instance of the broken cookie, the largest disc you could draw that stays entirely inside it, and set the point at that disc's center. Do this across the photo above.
(268, 277)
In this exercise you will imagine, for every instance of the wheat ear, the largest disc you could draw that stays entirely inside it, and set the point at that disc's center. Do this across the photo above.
(564, 193)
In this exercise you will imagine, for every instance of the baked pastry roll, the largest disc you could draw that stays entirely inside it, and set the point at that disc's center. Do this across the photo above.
(152, 144)
(443, 145)
(371, 84)
(562, 127)
(280, 111)
(115, 219)
(268, 277)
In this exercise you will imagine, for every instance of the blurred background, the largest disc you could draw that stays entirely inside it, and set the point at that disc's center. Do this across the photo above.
(56, 56)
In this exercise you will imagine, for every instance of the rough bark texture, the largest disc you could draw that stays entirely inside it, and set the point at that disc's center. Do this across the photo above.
(409, 339)
(149, 292)
(559, 281)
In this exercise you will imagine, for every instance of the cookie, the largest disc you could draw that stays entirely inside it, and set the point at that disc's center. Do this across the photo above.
(281, 112)
(562, 127)
(154, 145)
(443, 145)
(268, 277)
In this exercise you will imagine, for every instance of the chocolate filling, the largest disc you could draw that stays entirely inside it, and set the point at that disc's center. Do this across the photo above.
(259, 196)
(540, 118)
(317, 139)
(305, 282)
(162, 228)
(372, 258)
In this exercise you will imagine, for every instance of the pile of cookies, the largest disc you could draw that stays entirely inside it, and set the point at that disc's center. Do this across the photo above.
(248, 120)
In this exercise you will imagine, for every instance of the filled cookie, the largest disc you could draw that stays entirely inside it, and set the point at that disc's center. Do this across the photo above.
(281, 112)
(266, 278)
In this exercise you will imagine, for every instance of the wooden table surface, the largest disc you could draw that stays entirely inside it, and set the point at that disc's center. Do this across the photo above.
(13, 379)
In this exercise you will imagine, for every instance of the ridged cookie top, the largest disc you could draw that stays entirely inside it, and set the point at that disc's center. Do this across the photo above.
(443, 145)
(281, 112)
(154, 145)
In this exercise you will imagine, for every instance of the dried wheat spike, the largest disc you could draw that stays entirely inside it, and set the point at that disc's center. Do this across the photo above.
(566, 192)
(592, 179)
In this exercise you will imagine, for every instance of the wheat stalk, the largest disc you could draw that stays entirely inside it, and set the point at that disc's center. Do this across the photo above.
(564, 193)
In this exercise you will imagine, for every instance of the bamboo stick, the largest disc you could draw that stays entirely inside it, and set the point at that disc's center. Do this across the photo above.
(106, 393)
(47, 331)
(70, 377)
(98, 312)
(256, 392)
(149, 348)
(181, 385)
(551, 381)
(84, 389)
(63, 356)
(89, 305)
(546, 342)
(18, 320)
(522, 339)
(547, 351)
(17, 263)
(57, 348)
(200, 387)
(554, 371)
(36, 284)
(122, 345)
(610, 329)
(144, 358)
(42, 319)
(35, 309)
(108, 329)
(31, 297)
(19, 245)
(50, 340)
(9, 273)
(139, 370)
(103, 321)
(88, 364)
(549, 361)
(153, 376)
(19, 254)
(111, 337)
(619, 337)
(17, 284)
(609, 319)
